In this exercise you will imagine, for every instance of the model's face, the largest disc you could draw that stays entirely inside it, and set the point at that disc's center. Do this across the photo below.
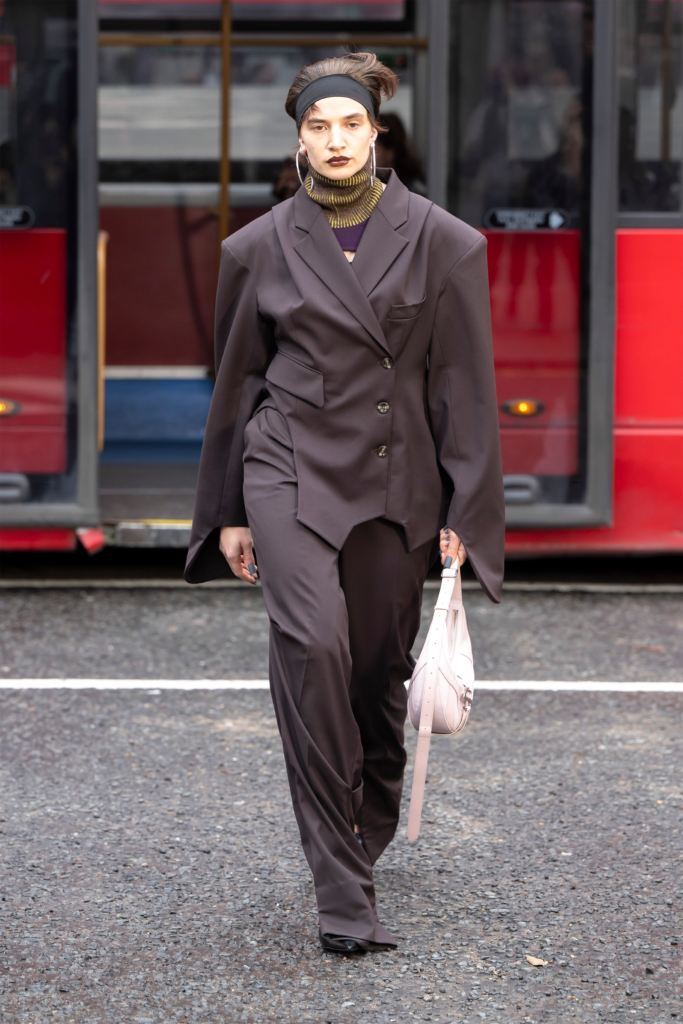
(336, 136)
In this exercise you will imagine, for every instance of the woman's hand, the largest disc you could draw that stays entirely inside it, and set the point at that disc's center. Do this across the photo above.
(450, 545)
(236, 544)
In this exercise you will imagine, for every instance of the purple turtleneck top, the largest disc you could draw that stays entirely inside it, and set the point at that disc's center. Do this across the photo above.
(349, 238)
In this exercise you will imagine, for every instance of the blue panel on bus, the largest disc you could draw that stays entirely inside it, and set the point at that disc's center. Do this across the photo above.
(155, 420)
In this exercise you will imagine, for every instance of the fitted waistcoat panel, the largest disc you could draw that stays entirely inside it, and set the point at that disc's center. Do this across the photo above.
(382, 369)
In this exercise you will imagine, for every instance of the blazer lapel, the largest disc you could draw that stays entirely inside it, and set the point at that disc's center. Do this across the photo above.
(381, 243)
(321, 251)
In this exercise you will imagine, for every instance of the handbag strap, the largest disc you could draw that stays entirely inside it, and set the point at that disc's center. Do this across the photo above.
(451, 586)
(448, 583)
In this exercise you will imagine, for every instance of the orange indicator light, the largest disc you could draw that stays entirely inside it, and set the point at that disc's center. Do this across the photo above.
(522, 407)
(8, 407)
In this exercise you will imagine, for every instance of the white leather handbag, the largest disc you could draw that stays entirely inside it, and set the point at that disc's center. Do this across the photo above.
(442, 684)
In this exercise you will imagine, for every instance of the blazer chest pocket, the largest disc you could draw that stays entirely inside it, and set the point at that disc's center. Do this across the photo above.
(297, 378)
(407, 311)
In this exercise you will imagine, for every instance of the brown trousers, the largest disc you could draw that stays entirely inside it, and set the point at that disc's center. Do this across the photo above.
(342, 627)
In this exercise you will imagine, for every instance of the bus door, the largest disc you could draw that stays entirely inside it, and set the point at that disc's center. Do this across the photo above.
(523, 163)
(48, 282)
(160, 119)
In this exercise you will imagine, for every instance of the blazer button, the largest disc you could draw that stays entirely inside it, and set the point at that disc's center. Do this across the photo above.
(388, 363)
(382, 407)
(382, 451)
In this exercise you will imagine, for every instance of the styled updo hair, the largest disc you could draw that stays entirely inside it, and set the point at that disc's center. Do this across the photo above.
(379, 80)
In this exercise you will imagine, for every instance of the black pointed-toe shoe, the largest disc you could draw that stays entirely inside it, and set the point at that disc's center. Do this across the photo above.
(342, 944)
(359, 837)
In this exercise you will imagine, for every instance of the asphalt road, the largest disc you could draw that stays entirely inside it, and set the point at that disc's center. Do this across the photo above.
(151, 872)
(150, 869)
(192, 633)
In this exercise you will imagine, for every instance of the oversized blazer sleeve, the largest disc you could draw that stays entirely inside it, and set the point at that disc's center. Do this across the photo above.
(461, 393)
(244, 348)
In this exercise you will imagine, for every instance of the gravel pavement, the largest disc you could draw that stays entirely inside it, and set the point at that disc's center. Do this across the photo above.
(223, 634)
(151, 872)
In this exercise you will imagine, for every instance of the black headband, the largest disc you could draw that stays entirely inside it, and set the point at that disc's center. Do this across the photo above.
(332, 85)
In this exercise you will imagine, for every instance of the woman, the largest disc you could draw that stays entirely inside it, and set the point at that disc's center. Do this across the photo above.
(354, 412)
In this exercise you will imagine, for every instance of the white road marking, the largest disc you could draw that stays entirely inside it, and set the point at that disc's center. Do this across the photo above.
(580, 686)
(552, 685)
(134, 684)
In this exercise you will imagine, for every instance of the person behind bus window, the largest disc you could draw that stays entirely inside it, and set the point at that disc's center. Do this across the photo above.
(8, 186)
(394, 148)
(558, 179)
(354, 413)
(287, 182)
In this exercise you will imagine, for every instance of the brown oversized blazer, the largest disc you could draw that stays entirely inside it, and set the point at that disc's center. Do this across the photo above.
(331, 345)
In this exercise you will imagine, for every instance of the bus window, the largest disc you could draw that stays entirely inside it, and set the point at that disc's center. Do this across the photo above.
(650, 105)
(519, 169)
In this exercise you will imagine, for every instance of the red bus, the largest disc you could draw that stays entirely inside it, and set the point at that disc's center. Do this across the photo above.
(555, 127)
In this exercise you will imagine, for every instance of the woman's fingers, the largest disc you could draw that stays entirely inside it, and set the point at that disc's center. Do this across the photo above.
(449, 543)
(451, 547)
(248, 563)
(237, 547)
(247, 568)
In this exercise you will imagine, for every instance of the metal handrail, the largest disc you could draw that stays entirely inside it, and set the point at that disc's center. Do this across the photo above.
(226, 50)
(383, 39)
(102, 239)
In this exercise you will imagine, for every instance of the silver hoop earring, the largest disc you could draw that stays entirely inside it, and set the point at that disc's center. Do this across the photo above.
(373, 165)
(299, 150)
